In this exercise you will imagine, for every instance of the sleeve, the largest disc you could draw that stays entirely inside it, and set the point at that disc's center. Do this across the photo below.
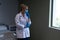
(17, 21)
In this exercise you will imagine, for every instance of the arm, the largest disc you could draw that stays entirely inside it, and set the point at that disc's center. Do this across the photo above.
(17, 21)
(28, 23)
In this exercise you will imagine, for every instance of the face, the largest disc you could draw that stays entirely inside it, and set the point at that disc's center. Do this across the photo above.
(23, 7)
(26, 7)
(26, 10)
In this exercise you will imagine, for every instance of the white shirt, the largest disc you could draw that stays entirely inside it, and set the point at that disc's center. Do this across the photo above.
(21, 21)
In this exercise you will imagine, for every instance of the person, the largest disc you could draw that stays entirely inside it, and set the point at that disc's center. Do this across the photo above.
(23, 23)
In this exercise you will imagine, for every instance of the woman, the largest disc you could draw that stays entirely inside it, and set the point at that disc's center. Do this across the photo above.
(21, 21)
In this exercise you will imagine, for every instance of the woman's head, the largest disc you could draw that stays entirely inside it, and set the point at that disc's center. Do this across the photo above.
(23, 7)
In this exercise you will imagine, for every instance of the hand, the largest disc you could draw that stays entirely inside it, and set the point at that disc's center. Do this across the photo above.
(27, 25)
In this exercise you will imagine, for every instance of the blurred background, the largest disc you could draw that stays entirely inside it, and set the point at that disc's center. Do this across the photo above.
(39, 12)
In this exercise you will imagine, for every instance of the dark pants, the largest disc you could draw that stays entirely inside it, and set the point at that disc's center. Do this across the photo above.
(23, 39)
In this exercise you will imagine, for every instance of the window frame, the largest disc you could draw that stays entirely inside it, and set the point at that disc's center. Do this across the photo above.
(51, 14)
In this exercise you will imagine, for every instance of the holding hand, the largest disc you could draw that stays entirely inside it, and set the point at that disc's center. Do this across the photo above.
(27, 25)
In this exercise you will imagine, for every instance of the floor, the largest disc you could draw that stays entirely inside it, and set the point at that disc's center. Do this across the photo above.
(7, 36)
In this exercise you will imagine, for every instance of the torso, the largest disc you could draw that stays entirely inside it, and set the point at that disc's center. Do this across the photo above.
(23, 19)
(25, 32)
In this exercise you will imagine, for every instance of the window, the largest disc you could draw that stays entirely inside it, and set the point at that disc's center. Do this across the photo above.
(54, 14)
